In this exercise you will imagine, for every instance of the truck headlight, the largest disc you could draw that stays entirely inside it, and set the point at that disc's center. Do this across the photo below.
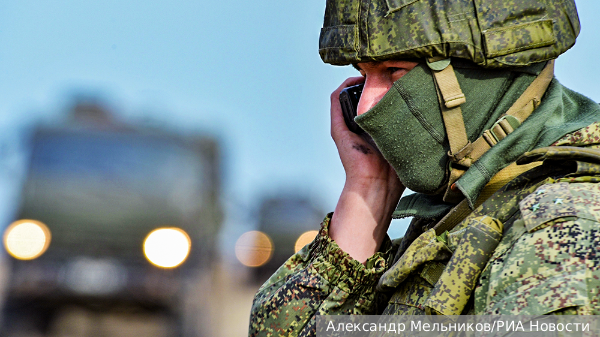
(304, 239)
(167, 247)
(26, 239)
(254, 249)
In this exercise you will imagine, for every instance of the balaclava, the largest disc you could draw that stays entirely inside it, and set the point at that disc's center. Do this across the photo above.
(408, 129)
(407, 123)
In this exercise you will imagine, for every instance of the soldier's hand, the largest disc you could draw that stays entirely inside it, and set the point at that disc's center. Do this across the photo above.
(371, 190)
(361, 159)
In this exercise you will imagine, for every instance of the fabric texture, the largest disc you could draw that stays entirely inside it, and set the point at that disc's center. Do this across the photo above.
(562, 111)
(547, 217)
(396, 116)
(491, 33)
(546, 261)
(407, 123)
(320, 279)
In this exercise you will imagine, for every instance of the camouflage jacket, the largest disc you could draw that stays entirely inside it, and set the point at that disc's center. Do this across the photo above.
(531, 248)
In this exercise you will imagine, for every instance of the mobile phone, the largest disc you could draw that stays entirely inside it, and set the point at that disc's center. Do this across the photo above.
(349, 98)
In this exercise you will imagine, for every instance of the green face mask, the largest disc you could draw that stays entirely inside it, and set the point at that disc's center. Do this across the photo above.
(408, 129)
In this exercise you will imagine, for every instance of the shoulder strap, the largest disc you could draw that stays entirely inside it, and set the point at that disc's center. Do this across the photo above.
(462, 152)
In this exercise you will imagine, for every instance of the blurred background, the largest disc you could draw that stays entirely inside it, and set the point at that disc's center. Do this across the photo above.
(158, 160)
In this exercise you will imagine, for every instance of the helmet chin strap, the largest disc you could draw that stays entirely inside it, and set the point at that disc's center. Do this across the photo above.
(462, 152)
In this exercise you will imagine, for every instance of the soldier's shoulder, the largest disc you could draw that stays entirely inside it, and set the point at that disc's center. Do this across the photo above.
(561, 201)
(548, 260)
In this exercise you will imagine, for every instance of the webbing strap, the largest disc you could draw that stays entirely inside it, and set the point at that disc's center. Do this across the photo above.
(449, 87)
(452, 96)
(516, 114)
(462, 210)
(535, 91)
(457, 134)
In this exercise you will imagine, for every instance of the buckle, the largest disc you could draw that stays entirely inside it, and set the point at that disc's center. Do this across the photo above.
(461, 157)
(503, 127)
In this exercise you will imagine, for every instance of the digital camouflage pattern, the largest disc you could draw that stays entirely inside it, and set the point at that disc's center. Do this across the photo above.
(584, 137)
(320, 279)
(427, 247)
(546, 261)
(551, 262)
(452, 291)
(491, 33)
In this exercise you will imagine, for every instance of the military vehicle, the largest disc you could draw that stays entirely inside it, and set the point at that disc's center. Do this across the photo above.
(124, 219)
(286, 223)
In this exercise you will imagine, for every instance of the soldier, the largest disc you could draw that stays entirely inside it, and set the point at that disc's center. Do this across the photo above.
(461, 106)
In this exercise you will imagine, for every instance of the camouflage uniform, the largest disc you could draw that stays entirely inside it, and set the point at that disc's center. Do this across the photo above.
(544, 225)
(320, 279)
(529, 248)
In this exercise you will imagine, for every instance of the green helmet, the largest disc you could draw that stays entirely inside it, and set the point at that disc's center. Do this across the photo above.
(491, 33)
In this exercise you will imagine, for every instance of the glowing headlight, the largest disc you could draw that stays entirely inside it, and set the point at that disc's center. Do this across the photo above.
(167, 247)
(304, 239)
(26, 239)
(253, 249)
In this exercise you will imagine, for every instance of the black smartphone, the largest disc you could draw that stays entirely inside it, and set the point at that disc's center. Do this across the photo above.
(349, 98)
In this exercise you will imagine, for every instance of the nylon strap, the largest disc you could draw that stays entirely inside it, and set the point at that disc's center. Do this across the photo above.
(449, 91)
(462, 210)
(449, 87)
(516, 114)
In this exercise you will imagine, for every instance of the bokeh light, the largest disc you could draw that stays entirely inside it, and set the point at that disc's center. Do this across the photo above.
(304, 239)
(254, 248)
(167, 247)
(26, 239)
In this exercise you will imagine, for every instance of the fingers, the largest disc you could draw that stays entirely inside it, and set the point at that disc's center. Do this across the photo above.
(350, 81)
(338, 125)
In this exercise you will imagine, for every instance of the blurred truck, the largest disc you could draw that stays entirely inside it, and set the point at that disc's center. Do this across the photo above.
(115, 233)
(286, 223)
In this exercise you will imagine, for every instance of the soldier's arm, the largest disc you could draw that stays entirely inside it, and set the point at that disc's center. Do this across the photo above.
(321, 279)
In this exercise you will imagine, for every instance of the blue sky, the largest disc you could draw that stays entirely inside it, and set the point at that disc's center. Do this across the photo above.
(247, 72)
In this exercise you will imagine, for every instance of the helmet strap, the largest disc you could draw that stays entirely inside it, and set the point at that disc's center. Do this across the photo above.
(462, 152)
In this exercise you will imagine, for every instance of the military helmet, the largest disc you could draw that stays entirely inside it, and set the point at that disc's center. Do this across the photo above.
(491, 33)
